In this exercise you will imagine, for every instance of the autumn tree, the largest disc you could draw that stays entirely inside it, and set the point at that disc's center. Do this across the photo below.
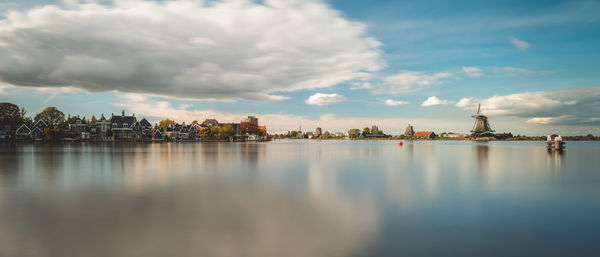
(51, 116)
(164, 124)
(227, 131)
(94, 120)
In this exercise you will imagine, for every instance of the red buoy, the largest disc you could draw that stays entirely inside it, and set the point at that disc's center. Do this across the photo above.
(399, 143)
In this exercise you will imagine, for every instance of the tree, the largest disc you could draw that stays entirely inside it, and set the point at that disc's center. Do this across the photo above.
(227, 131)
(205, 132)
(214, 131)
(93, 121)
(164, 124)
(51, 116)
(366, 131)
(54, 134)
(194, 122)
(10, 112)
(354, 133)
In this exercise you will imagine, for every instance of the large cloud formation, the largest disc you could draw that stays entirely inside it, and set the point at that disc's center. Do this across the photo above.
(577, 106)
(230, 49)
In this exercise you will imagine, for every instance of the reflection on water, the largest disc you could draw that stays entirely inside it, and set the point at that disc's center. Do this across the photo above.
(482, 155)
(299, 198)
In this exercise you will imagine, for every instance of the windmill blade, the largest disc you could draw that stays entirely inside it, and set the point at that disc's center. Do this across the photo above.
(478, 107)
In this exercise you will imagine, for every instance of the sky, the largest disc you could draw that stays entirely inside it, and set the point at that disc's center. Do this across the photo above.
(534, 66)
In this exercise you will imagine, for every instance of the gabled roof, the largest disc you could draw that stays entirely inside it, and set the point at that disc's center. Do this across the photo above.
(120, 120)
(40, 123)
(423, 134)
(23, 129)
(74, 122)
(209, 122)
(38, 129)
(145, 123)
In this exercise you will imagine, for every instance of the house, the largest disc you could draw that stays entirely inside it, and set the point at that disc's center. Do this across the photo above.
(424, 134)
(156, 134)
(452, 135)
(23, 131)
(146, 126)
(7, 129)
(184, 132)
(209, 122)
(121, 125)
(103, 128)
(37, 131)
(78, 128)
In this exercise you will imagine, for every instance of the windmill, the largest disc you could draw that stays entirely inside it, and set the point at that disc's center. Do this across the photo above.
(481, 123)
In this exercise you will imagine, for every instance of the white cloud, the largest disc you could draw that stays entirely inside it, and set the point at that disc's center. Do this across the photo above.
(575, 106)
(514, 71)
(434, 101)
(522, 45)
(361, 85)
(324, 99)
(540, 120)
(230, 49)
(472, 72)
(414, 80)
(391, 102)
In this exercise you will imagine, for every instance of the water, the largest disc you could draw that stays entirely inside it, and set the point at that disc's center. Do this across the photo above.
(300, 198)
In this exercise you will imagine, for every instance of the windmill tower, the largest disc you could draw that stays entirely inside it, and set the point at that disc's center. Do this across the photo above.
(481, 123)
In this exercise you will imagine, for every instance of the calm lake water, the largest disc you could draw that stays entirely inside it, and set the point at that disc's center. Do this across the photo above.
(300, 198)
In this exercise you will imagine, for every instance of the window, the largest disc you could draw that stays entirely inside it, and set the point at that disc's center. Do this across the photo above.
(124, 125)
(114, 125)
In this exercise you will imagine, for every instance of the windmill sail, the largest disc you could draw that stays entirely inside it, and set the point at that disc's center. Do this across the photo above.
(481, 122)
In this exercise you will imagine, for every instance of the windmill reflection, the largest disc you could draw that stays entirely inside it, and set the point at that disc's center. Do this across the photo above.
(482, 156)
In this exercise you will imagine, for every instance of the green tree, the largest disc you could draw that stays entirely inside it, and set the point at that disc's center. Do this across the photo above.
(51, 115)
(194, 122)
(10, 112)
(227, 131)
(366, 131)
(354, 133)
(94, 120)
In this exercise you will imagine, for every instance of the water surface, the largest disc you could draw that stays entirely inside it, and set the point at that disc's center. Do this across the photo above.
(300, 198)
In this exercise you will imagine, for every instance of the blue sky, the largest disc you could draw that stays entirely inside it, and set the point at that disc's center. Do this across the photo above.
(533, 65)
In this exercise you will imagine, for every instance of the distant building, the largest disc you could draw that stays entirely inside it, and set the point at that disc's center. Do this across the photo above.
(452, 135)
(318, 132)
(409, 131)
(209, 123)
(251, 120)
(424, 134)
(121, 125)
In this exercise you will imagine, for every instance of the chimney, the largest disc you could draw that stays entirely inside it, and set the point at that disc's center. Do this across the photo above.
(123, 113)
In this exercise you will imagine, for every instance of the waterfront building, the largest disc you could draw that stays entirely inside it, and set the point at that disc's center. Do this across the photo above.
(209, 123)
(452, 135)
(121, 125)
(424, 134)
(23, 131)
(318, 132)
(250, 120)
